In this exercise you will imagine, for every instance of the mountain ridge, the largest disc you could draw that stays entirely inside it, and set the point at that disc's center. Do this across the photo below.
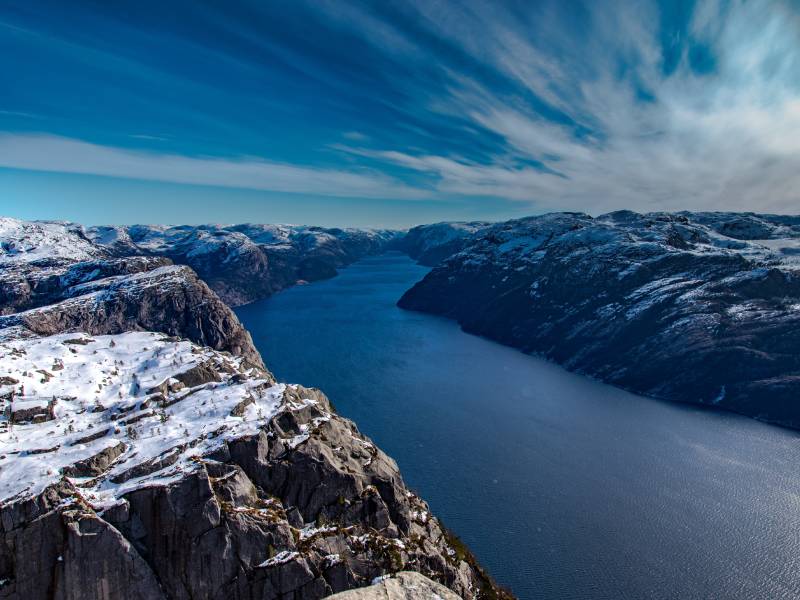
(699, 308)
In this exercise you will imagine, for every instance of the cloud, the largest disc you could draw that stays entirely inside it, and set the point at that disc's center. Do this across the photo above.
(63, 155)
(19, 113)
(148, 137)
(594, 123)
(355, 136)
(585, 105)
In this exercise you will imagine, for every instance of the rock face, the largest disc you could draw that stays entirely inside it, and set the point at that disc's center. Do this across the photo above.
(175, 471)
(701, 308)
(406, 585)
(431, 244)
(142, 465)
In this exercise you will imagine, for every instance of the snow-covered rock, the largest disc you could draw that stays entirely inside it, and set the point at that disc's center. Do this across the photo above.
(127, 394)
(161, 469)
(145, 451)
(30, 241)
(118, 295)
(690, 307)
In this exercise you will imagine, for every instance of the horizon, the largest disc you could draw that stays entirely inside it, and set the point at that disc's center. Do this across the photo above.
(223, 224)
(388, 115)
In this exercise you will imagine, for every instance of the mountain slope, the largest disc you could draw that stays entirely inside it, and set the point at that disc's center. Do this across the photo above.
(694, 308)
(163, 460)
(431, 244)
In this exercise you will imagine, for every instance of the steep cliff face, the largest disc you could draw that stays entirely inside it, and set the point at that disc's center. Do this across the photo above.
(161, 469)
(53, 278)
(694, 308)
(170, 299)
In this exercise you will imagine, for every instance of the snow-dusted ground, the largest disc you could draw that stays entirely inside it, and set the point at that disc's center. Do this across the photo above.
(120, 389)
(28, 241)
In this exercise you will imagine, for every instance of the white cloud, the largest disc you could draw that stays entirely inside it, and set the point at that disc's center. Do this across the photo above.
(729, 140)
(58, 154)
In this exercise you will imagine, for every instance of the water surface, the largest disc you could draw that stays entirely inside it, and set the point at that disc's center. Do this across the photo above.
(563, 487)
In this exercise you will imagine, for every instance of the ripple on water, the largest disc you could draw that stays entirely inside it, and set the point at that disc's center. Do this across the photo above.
(563, 487)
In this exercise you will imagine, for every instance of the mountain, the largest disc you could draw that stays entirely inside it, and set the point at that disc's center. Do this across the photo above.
(148, 453)
(431, 244)
(243, 263)
(690, 307)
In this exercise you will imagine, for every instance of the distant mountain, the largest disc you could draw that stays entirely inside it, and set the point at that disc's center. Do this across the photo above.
(431, 244)
(690, 307)
(246, 262)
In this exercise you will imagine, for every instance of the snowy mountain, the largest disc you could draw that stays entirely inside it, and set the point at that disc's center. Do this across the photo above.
(701, 308)
(241, 263)
(146, 452)
(26, 242)
(246, 262)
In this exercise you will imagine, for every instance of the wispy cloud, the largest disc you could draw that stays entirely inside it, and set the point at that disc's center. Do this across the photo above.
(63, 155)
(148, 137)
(725, 136)
(547, 105)
(19, 113)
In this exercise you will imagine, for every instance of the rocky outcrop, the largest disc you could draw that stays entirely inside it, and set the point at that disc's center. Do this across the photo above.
(406, 585)
(170, 299)
(54, 278)
(431, 244)
(142, 465)
(693, 308)
(219, 484)
(30, 285)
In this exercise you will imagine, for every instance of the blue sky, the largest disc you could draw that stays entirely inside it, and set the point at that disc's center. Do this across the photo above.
(395, 113)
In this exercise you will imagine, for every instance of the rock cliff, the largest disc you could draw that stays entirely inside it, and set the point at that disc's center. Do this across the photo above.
(146, 452)
(161, 469)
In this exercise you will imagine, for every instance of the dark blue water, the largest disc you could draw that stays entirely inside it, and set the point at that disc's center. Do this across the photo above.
(563, 487)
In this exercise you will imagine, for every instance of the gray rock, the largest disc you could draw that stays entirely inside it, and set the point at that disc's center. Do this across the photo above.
(305, 508)
(405, 585)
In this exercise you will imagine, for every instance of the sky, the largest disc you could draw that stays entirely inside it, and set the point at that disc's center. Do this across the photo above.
(391, 114)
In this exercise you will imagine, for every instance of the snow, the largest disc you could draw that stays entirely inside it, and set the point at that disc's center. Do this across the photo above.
(280, 558)
(143, 278)
(106, 384)
(311, 531)
(29, 241)
(332, 559)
